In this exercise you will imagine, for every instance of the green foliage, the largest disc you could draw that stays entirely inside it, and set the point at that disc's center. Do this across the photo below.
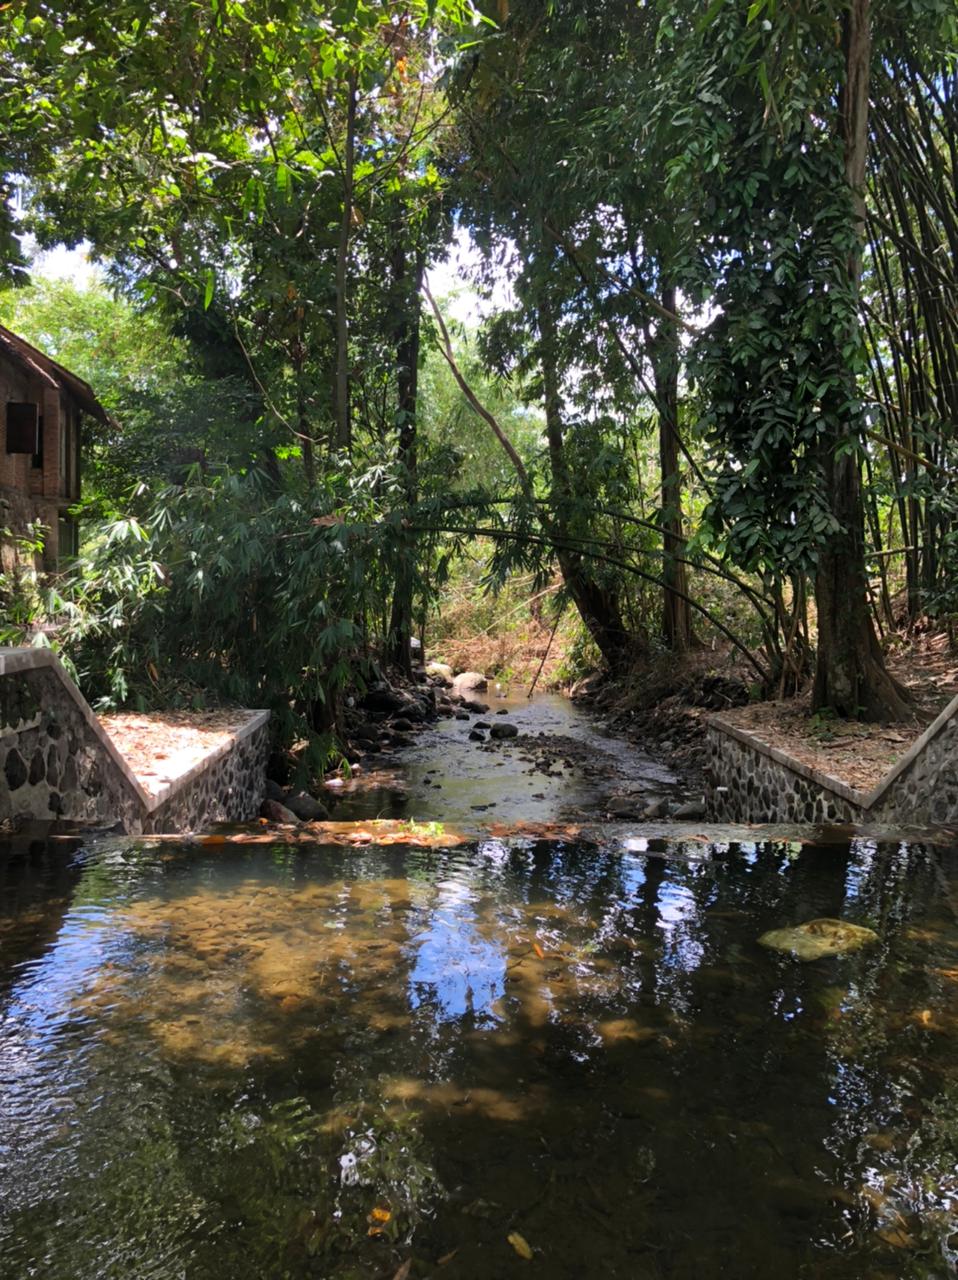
(230, 590)
(167, 416)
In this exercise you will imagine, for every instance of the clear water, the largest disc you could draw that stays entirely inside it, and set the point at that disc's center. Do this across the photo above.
(253, 1060)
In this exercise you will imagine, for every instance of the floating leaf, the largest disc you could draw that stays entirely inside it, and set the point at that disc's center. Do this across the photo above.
(521, 1245)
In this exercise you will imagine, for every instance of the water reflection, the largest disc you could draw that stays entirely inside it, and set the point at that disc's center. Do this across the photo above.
(584, 1044)
(453, 968)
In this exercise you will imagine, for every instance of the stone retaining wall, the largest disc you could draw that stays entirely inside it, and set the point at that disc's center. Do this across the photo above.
(751, 781)
(58, 763)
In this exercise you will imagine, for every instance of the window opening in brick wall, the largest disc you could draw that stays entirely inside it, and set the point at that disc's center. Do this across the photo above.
(23, 427)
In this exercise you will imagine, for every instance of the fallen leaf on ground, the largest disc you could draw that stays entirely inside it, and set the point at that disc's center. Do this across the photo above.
(446, 1257)
(404, 1270)
(538, 950)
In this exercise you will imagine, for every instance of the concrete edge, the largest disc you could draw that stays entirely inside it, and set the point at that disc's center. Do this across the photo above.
(256, 719)
(13, 661)
(816, 776)
(913, 752)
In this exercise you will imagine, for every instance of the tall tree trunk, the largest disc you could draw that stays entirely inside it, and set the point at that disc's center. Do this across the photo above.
(407, 271)
(676, 613)
(850, 673)
(597, 605)
(343, 424)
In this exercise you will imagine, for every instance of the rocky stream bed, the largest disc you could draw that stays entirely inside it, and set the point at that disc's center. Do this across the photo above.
(465, 749)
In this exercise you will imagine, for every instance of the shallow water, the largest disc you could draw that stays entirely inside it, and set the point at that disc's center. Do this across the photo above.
(443, 776)
(259, 1061)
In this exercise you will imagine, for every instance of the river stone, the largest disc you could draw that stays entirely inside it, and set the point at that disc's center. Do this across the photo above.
(692, 809)
(274, 791)
(382, 699)
(462, 715)
(818, 938)
(402, 725)
(482, 724)
(658, 809)
(476, 736)
(503, 711)
(306, 807)
(440, 671)
(273, 811)
(503, 731)
(470, 682)
(624, 806)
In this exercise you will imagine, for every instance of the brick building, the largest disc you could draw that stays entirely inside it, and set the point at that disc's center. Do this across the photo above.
(41, 408)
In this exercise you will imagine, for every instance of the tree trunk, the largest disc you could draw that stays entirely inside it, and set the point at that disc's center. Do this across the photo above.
(597, 605)
(343, 424)
(850, 674)
(407, 281)
(676, 614)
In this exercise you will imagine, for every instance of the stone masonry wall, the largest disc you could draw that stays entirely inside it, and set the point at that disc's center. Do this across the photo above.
(923, 790)
(750, 781)
(58, 763)
(52, 763)
(745, 785)
(230, 789)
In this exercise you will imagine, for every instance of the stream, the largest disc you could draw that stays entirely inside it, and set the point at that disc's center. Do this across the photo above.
(401, 1051)
(562, 767)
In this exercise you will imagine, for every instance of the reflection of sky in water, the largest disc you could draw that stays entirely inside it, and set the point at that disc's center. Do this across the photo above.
(631, 877)
(453, 969)
(682, 952)
(40, 1003)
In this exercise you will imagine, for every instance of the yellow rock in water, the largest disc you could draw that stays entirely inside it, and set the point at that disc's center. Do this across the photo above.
(818, 938)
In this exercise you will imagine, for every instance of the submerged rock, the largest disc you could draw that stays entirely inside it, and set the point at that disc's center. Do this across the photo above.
(818, 938)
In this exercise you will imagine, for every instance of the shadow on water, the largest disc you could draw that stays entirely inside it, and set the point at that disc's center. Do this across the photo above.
(272, 1060)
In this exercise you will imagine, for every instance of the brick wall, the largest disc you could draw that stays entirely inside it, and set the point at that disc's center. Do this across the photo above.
(27, 492)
